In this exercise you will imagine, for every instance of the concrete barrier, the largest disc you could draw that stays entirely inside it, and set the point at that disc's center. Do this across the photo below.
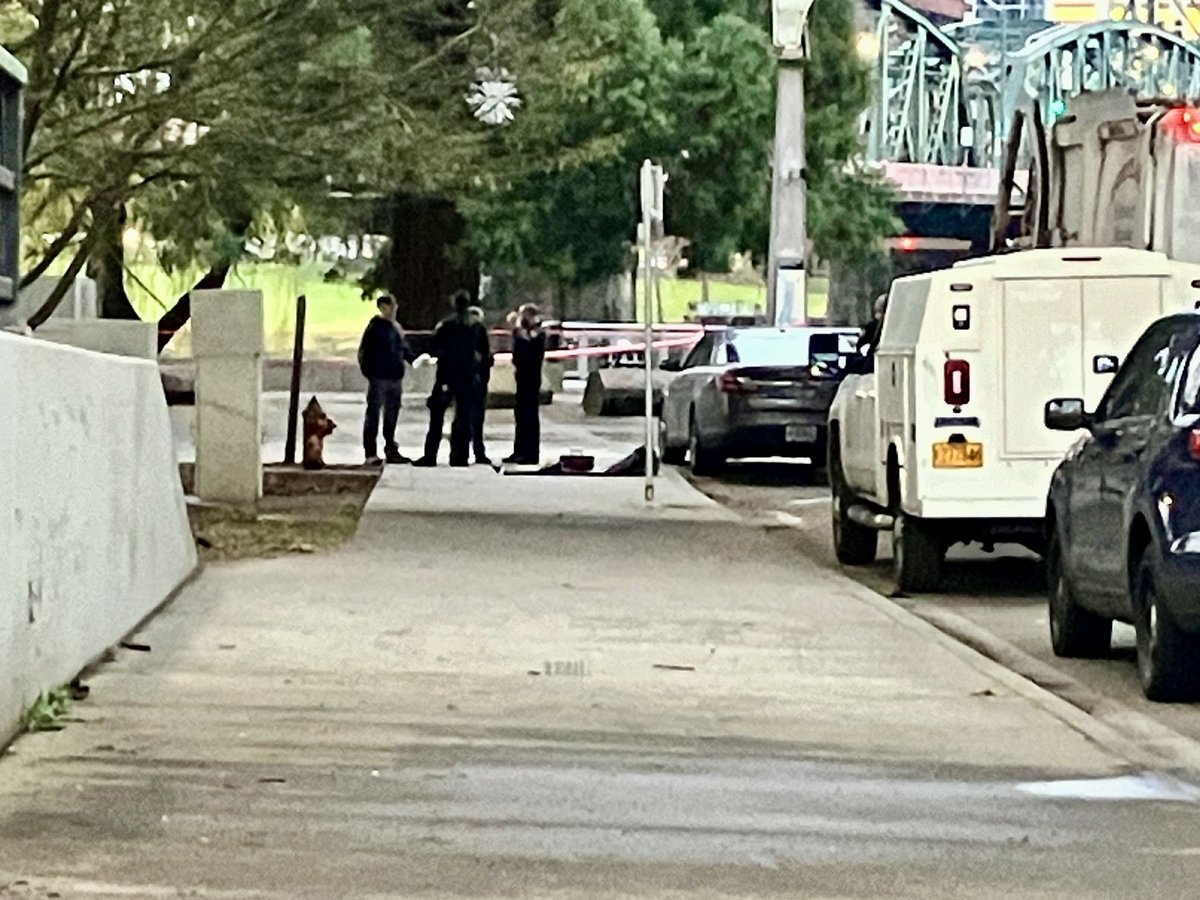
(622, 392)
(94, 531)
(336, 376)
(121, 337)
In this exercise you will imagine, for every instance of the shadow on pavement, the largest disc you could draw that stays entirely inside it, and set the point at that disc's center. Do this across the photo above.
(772, 474)
(995, 575)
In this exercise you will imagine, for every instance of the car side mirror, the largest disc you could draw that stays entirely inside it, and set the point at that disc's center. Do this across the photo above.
(1105, 365)
(671, 365)
(1066, 415)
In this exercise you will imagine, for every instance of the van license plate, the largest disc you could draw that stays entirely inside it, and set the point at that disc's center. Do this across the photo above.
(800, 434)
(957, 456)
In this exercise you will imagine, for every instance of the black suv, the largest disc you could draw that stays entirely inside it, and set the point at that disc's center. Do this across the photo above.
(1123, 515)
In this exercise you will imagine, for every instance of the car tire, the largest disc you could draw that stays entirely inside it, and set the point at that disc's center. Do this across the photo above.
(853, 544)
(1075, 633)
(1166, 656)
(672, 456)
(917, 555)
(703, 460)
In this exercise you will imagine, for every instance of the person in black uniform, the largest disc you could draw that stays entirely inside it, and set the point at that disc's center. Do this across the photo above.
(529, 352)
(481, 397)
(461, 346)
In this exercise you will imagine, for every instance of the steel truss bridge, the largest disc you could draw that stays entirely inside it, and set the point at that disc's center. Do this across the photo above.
(946, 95)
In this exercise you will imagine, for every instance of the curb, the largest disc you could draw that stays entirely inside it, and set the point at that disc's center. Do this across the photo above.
(1133, 749)
(1168, 747)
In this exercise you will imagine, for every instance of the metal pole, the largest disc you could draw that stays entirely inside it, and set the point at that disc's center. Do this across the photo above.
(648, 193)
(788, 202)
(289, 451)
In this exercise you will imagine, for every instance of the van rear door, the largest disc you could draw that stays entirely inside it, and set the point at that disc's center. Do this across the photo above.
(1054, 332)
(1115, 313)
(1042, 358)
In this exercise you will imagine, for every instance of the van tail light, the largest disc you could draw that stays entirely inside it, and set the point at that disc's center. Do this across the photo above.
(957, 382)
(732, 382)
(1194, 443)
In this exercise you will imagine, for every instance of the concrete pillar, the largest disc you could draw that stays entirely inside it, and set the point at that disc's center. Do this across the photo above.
(786, 283)
(227, 343)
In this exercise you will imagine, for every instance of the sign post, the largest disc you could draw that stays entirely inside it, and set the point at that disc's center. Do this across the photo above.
(653, 180)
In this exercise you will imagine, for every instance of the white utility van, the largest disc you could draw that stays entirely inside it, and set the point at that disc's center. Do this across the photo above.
(940, 436)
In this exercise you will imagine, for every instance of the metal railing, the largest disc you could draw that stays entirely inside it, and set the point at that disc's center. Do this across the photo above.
(945, 96)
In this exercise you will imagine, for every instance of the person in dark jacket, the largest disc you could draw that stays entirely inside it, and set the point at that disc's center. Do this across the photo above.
(868, 341)
(461, 347)
(381, 357)
(481, 397)
(529, 352)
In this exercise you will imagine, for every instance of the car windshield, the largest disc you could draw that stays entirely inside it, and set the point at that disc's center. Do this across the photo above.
(791, 348)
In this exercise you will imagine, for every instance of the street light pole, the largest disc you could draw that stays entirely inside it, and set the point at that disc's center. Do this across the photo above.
(786, 288)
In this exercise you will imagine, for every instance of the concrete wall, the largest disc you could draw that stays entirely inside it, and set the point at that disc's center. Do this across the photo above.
(117, 336)
(332, 376)
(93, 525)
(80, 302)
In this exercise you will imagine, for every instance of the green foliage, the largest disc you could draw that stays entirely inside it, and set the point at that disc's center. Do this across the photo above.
(694, 90)
(46, 711)
(849, 209)
(719, 192)
(205, 122)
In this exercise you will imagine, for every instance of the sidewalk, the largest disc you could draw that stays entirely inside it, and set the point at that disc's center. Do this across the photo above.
(564, 429)
(388, 720)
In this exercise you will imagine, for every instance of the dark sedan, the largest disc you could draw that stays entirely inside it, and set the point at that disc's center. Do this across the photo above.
(753, 392)
(1124, 514)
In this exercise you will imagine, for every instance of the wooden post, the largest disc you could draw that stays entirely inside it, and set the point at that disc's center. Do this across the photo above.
(289, 453)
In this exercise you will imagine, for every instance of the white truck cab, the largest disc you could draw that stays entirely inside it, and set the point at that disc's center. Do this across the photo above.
(940, 436)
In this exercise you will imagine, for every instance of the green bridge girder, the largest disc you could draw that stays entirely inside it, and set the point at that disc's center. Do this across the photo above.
(945, 98)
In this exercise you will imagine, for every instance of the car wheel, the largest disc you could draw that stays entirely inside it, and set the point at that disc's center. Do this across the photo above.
(674, 456)
(703, 460)
(1074, 631)
(853, 544)
(1166, 656)
(917, 555)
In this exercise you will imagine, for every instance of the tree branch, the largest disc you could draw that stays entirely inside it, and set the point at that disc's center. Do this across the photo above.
(57, 247)
(64, 285)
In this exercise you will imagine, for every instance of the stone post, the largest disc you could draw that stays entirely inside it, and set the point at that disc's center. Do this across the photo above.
(227, 343)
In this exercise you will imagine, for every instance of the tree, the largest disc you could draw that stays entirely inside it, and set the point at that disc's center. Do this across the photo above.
(695, 91)
(205, 122)
(850, 209)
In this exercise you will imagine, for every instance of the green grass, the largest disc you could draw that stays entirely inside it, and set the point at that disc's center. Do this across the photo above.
(678, 294)
(334, 319)
(336, 313)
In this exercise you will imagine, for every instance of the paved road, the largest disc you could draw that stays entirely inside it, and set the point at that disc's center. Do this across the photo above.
(557, 693)
(1002, 592)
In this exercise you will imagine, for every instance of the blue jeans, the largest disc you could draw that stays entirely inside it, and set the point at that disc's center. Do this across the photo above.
(382, 394)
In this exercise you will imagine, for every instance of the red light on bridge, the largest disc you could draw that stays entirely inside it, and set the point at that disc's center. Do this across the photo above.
(1182, 124)
(907, 244)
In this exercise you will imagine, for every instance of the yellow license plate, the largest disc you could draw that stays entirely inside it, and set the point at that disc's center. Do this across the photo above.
(957, 456)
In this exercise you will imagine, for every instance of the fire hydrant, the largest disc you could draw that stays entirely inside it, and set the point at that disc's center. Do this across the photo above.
(317, 427)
